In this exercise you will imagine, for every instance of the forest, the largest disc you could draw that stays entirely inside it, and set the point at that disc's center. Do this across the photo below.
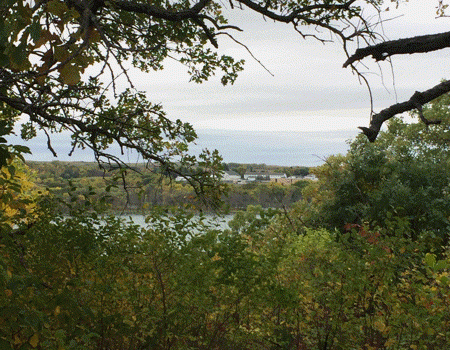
(360, 261)
(149, 187)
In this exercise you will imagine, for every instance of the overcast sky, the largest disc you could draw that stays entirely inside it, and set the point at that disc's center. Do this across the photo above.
(309, 107)
(309, 83)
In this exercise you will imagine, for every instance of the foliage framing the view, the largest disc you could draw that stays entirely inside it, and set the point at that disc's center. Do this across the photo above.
(63, 64)
(275, 280)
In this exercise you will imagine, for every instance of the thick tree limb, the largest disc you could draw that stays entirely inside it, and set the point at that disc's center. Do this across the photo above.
(415, 102)
(158, 12)
(296, 13)
(417, 44)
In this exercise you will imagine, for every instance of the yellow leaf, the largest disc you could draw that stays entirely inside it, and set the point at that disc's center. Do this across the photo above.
(34, 340)
(57, 311)
(8, 292)
(216, 257)
(430, 331)
(390, 342)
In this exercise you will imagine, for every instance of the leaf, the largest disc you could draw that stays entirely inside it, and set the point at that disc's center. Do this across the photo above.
(57, 8)
(34, 340)
(35, 31)
(61, 53)
(22, 149)
(4, 156)
(444, 280)
(17, 340)
(57, 311)
(12, 170)
(4, 60)
(69, 75)
(19, 58)
(430, 259)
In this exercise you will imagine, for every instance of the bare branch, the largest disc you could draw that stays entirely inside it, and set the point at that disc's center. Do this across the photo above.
(415, 102)
(249, 51)
(49, 144)
(417, 44)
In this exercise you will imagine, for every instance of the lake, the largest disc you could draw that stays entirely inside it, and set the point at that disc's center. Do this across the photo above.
(220, 221)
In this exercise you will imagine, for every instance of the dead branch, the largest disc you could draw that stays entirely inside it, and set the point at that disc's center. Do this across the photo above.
(415, 102)
(417, 44)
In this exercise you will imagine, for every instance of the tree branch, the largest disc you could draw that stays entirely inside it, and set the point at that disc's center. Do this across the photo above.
(417, 44)
(415, 102)
(296, 12)
(158, 12)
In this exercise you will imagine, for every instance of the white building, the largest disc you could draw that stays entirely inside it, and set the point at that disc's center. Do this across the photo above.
(311, 177)
(230, 176)
(252, 176)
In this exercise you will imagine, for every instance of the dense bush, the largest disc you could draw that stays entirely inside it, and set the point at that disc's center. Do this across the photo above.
(91, 282)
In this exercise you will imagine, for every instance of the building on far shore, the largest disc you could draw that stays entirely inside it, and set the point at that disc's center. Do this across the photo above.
(231, 176)
(293, 179)
(311, 177)
(263, 176)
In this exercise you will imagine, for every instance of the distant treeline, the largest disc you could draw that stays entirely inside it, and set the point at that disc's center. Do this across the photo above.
(143, 187)
(241, 169)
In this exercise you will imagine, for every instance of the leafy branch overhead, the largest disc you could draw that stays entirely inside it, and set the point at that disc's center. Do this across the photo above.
(61, 62)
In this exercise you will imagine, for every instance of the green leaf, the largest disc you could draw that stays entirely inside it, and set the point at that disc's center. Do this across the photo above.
(12, 170)
(22, 149)
(19, 58)
(57, 8)
(69, 74)
(441, 264)
(444, 279)
(4, 156)
(4, 60)
(430, 260)
(35, 31)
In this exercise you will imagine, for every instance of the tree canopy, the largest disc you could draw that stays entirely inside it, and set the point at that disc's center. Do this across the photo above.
(402, 178)
(61, 60)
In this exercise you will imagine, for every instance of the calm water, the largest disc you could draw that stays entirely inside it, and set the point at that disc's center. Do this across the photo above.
(220, 221)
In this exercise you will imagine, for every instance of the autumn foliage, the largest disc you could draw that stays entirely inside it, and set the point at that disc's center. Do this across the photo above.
(93, 282)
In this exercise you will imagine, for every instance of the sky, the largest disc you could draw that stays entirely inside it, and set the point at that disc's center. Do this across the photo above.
(306, 110)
